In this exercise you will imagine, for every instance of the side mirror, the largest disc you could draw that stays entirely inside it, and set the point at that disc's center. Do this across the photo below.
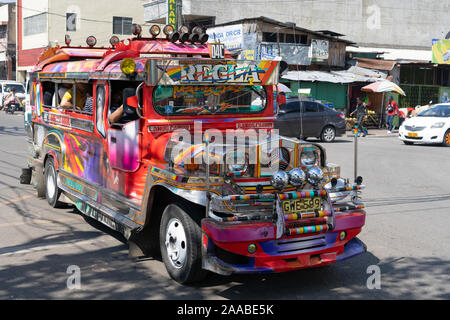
(130, 102)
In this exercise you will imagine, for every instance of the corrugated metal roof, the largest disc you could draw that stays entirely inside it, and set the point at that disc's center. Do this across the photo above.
(378, 64)
(354, 74)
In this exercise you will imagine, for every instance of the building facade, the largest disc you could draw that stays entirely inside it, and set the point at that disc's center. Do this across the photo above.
(7, 41)
(43, 23)
(370, 23)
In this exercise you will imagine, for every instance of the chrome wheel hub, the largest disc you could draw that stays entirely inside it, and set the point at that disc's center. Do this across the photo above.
(51, 187)
(176, 244)
(328, 134)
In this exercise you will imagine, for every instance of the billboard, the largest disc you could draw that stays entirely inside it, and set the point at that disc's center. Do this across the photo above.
(441, 52)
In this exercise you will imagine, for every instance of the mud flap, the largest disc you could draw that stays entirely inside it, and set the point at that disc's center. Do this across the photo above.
(25, 177)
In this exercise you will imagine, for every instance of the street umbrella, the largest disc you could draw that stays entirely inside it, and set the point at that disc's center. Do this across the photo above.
(383, 86)
(283, 88)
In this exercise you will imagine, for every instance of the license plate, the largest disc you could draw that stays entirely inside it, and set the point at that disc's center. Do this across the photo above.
(301, 205)
(412, 134)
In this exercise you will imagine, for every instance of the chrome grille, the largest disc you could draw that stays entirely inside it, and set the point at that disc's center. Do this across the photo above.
(414, 128)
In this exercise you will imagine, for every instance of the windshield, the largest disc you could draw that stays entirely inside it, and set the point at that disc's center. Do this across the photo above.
(206, 100)
(18, 88)
(436, 111)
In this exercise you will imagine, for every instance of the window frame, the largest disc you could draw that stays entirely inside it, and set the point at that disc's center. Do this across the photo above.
(122, 30)
(30, 27)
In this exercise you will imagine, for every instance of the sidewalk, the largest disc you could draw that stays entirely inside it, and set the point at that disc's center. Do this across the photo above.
(376, 133)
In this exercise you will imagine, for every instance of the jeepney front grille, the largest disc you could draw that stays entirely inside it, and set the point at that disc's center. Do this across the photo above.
(292, 245)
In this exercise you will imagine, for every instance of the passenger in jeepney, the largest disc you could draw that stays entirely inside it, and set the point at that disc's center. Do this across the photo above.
(63, 88)
(81, 95)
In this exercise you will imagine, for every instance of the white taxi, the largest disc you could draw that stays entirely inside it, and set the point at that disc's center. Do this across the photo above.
(429, 126)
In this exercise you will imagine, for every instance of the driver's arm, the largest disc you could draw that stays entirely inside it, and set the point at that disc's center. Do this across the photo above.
(116, 115)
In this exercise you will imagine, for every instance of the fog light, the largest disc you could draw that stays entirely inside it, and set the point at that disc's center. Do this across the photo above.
(342, 235)
(251, 248)
(280, 179)
(128, 66)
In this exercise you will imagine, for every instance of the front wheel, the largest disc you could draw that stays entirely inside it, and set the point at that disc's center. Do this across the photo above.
(446, 141)
(328, 134)
(180, 243)
(52, 192)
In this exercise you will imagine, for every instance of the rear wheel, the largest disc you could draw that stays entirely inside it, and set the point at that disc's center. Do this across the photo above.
(180, 243)
(52, 192)
(446, 141)
(328, 134)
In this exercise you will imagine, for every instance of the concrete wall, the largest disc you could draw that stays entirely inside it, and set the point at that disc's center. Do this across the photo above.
(31, 8)
(402, 23)
(93, 18)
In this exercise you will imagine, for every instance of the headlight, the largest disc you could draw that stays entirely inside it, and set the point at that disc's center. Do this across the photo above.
(236, 167)
(308, 158)
(297, 177)
(438, 125)
(314, 175)
(280, 179)
(236, 163)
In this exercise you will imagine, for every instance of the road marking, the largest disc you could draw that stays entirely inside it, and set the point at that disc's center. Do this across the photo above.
(15, 200)
(28, 249)
(39, 221)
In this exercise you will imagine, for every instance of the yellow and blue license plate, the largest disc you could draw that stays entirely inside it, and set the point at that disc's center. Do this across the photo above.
(412, 134)
(301, 205)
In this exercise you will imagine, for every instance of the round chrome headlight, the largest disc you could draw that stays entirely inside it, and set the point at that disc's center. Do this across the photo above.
(280, 179)
(314, 175)
(297, 177)
(237, 167)
(308, 158)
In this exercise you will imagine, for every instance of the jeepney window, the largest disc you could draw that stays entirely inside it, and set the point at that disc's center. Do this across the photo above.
(81, 93)
(48, 92)
(207, 100)
(116, 115)
(100, 107)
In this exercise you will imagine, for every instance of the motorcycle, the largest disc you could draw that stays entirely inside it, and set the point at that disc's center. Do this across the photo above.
(12, 106)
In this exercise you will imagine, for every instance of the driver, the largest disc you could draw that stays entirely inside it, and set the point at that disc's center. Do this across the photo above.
(117, 115)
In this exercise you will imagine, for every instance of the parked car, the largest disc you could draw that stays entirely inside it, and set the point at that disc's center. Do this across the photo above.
(429, 126)
(314, 120)
(5, 89)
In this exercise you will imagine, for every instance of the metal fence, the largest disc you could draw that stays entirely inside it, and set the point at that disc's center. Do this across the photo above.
(418, 95)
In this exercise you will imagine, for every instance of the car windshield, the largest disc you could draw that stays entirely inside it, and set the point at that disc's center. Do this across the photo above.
(18, 88)
(206, 100)
(436, 111)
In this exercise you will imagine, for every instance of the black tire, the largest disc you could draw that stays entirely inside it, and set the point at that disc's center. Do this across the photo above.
(328, 134)
(52, 192)
(176, 219)
(408, 143)
(446, 141)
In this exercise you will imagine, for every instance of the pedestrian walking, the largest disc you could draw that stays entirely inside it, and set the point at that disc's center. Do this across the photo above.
(391, 111)
(361, 111)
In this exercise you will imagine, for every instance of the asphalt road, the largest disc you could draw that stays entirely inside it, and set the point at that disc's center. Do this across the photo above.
(407, 234)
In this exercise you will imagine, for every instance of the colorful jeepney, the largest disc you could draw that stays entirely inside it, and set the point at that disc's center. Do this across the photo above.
(195, 171)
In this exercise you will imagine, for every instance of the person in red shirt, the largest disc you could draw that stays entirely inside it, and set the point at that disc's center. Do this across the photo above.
(391, 111)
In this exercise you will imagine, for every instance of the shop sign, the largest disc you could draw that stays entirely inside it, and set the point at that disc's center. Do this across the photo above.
(319, 50)
(441, 52)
